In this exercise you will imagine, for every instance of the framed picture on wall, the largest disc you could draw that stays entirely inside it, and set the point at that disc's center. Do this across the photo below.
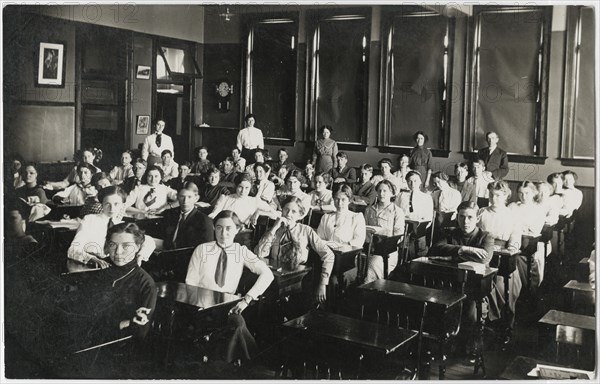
(51, 65)
(142, 72)
(143, 124)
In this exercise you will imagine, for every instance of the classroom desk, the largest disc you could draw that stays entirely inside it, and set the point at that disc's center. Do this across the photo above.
(74, 266)
(521, 366)
(367, 337)
(358, 206)
(344, 261)
(62, 211)
(287, 282)
(479, 284)
(415, 228)
(179, 299)
(440, 300)
(583, 322)
(151, 224)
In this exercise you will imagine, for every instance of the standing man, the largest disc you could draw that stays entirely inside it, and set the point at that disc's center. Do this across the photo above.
(156, 143)
(495, 158)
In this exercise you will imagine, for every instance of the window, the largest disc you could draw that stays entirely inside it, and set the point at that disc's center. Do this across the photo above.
(417, 49)
(509, 79)
(172, 63)
(579, 114)
(339, 76)
(271, 76)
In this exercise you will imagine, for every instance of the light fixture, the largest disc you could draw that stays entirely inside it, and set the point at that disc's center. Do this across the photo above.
(227, 15)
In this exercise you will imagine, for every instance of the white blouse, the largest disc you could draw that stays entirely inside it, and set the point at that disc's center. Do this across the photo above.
(348, 229)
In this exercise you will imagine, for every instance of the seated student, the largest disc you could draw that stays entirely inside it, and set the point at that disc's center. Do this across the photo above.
(309, 176)
(218, 265)
(282, 157)
(201, 165)
(139, 170)
(213, 189)
(259, 158)
(89, 156)
(77, 193)
(459, 181)
(500, 223)
(228, 173)
(402, 171)
(343, 227)
(13, 172)
(322, 198)
(572, 197)
(92, 205)
(293, 187)
(480, 179)
(186, 226)
(184, 176)
(288, 242)
(121, 172)
(445, 198)
(17, 243)
(31, 191)
(416, 205)
(385, 166)
(343, 173)
(532, 217)
(262, 187)
(551, 204)
(238, 161)
(390, 217)
(364, 190)
(466, 243)
(152, 197)
(168, 165)
(124, 295)
(246, 207)
(89, 241)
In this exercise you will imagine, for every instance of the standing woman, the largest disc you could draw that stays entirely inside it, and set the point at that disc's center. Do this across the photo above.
(90, 156)
(250, 138)
(156, 143)
(325, 152)
(420, 157)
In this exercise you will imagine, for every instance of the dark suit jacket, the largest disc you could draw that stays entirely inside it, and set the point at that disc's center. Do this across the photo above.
(196, 229)
(497, 162)
(366, 192)
(348, 173)
(129, 184)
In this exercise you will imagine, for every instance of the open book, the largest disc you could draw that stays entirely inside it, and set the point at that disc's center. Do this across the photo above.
(474, 266)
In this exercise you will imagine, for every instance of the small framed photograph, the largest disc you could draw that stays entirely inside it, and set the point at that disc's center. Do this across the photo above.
(142, 72)
(51, 65)
(143, 125)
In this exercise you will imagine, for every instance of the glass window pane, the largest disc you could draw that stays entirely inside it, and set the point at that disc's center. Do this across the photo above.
(508, 79)
(585, 111)
(342, 78)
(274, 78)
(418, 76)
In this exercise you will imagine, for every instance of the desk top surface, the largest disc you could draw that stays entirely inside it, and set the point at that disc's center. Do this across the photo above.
(346, 250)
(361, 333)
(141, 217)
(579, 286)
(74, 266)
(554, 317)
(201, 298)
(442, 297)
(485, 271)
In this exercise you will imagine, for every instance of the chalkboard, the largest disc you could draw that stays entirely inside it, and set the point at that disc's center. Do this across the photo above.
(40, 133)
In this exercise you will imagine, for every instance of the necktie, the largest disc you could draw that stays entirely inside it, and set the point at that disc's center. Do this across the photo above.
(179, 223)
(158, 139)
(150, 198)
(137, 181)
(110, 224)
(287, 256)
(221, 269)
(410, 203)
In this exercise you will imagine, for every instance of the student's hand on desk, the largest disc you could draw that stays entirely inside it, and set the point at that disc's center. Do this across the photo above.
(99, 262)
(479, 253)
(321, 294)
(339, 180)
(239, 308)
